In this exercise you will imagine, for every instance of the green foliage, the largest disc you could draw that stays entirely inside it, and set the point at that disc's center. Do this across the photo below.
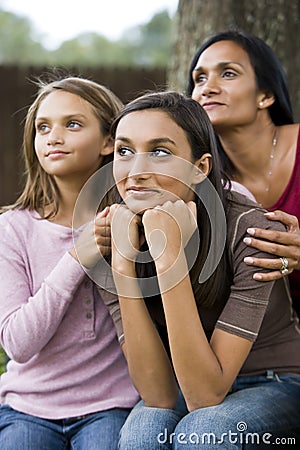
(151, 43)
(147, 45)
(3, 361)
(17, 41)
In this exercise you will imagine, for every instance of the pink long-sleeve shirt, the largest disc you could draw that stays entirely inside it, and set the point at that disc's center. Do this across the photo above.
(65, 357)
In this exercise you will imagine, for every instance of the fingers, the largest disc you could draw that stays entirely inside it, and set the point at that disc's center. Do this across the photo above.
(125, 234)
(279, 243)
(103, 242)
(284, 244)
(103, 213)
(176, 219)
(289, 251)
(275, 264)
(290, 221)
(275, 236)
(270, 276)
(102, 230)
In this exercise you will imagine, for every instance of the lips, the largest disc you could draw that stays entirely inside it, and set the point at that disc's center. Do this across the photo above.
(56, 153)
(140, 191)
(209, 105)
(140, 188)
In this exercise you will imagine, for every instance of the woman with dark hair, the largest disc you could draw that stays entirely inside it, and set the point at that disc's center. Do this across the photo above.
(241, 84)
(207, 345)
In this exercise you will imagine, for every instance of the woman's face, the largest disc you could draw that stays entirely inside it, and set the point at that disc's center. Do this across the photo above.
(225, 85)
(152, 160)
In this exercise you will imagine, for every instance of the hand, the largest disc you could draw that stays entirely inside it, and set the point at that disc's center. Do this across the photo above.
(94, 241)
(125, 233)
(281, 243)
(168, 229)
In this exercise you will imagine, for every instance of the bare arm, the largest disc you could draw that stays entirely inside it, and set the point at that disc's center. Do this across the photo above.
(205, 370)
(148, 363)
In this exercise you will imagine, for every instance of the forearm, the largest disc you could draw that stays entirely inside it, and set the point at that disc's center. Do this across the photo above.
(197, 368)
(148, 362)
(30, 321)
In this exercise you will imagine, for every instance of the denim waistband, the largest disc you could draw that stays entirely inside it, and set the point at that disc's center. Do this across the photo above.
(71, 419)
(268, 376)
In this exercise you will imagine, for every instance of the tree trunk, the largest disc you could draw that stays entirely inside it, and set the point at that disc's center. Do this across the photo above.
(277, 22)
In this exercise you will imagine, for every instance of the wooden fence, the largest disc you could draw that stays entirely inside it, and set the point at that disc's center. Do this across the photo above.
(17, 92)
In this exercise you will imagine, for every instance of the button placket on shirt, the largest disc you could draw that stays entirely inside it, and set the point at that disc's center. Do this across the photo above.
(89, 310)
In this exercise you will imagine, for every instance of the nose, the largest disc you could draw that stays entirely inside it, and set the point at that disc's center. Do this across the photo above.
(209, 88)
(54, 136)
(140, 167)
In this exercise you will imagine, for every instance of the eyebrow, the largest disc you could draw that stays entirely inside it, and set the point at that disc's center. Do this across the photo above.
(220, 65)
(66, 117)
(162, 140)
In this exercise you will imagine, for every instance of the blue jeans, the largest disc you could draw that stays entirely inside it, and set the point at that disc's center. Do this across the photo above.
(259, 411)
(98, 431)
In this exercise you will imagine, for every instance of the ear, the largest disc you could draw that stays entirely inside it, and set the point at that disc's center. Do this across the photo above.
(265, 100)
(107, 146)
(202, 168)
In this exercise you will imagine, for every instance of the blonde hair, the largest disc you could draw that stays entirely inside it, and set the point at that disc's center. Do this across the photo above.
(40, 189)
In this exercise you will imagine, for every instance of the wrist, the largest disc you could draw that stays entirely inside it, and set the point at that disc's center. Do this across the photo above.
(169, 258)
(170, 275)
(126, 283)
(122, 265)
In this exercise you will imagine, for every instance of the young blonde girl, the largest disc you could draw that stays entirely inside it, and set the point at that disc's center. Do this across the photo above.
(66, 384)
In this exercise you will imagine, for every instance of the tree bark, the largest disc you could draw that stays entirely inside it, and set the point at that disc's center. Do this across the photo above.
(277, 22)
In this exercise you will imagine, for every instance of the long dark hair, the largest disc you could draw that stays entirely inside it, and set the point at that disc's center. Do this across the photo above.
(269, 73)
(193, 120)
(270, 76)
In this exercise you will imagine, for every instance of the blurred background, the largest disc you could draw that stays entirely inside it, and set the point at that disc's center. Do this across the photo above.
(99, 40)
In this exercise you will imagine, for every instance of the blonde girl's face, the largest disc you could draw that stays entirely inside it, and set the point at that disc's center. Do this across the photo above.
(152, 160)
(69, 143)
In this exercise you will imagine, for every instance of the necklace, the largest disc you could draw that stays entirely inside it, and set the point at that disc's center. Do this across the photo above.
(272, 154)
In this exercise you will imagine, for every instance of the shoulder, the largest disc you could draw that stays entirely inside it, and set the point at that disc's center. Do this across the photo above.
(25, 214)
(10, 215)
(289, 133)
(242, 213)
(17, 219)
(238, 187)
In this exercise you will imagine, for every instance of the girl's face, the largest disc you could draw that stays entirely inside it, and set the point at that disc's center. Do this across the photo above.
(225, 85)
(69, 141)
(153, 161)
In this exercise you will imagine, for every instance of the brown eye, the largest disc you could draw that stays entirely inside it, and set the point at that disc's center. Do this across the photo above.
(160, 152)
(199, 78)
(124, 151)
